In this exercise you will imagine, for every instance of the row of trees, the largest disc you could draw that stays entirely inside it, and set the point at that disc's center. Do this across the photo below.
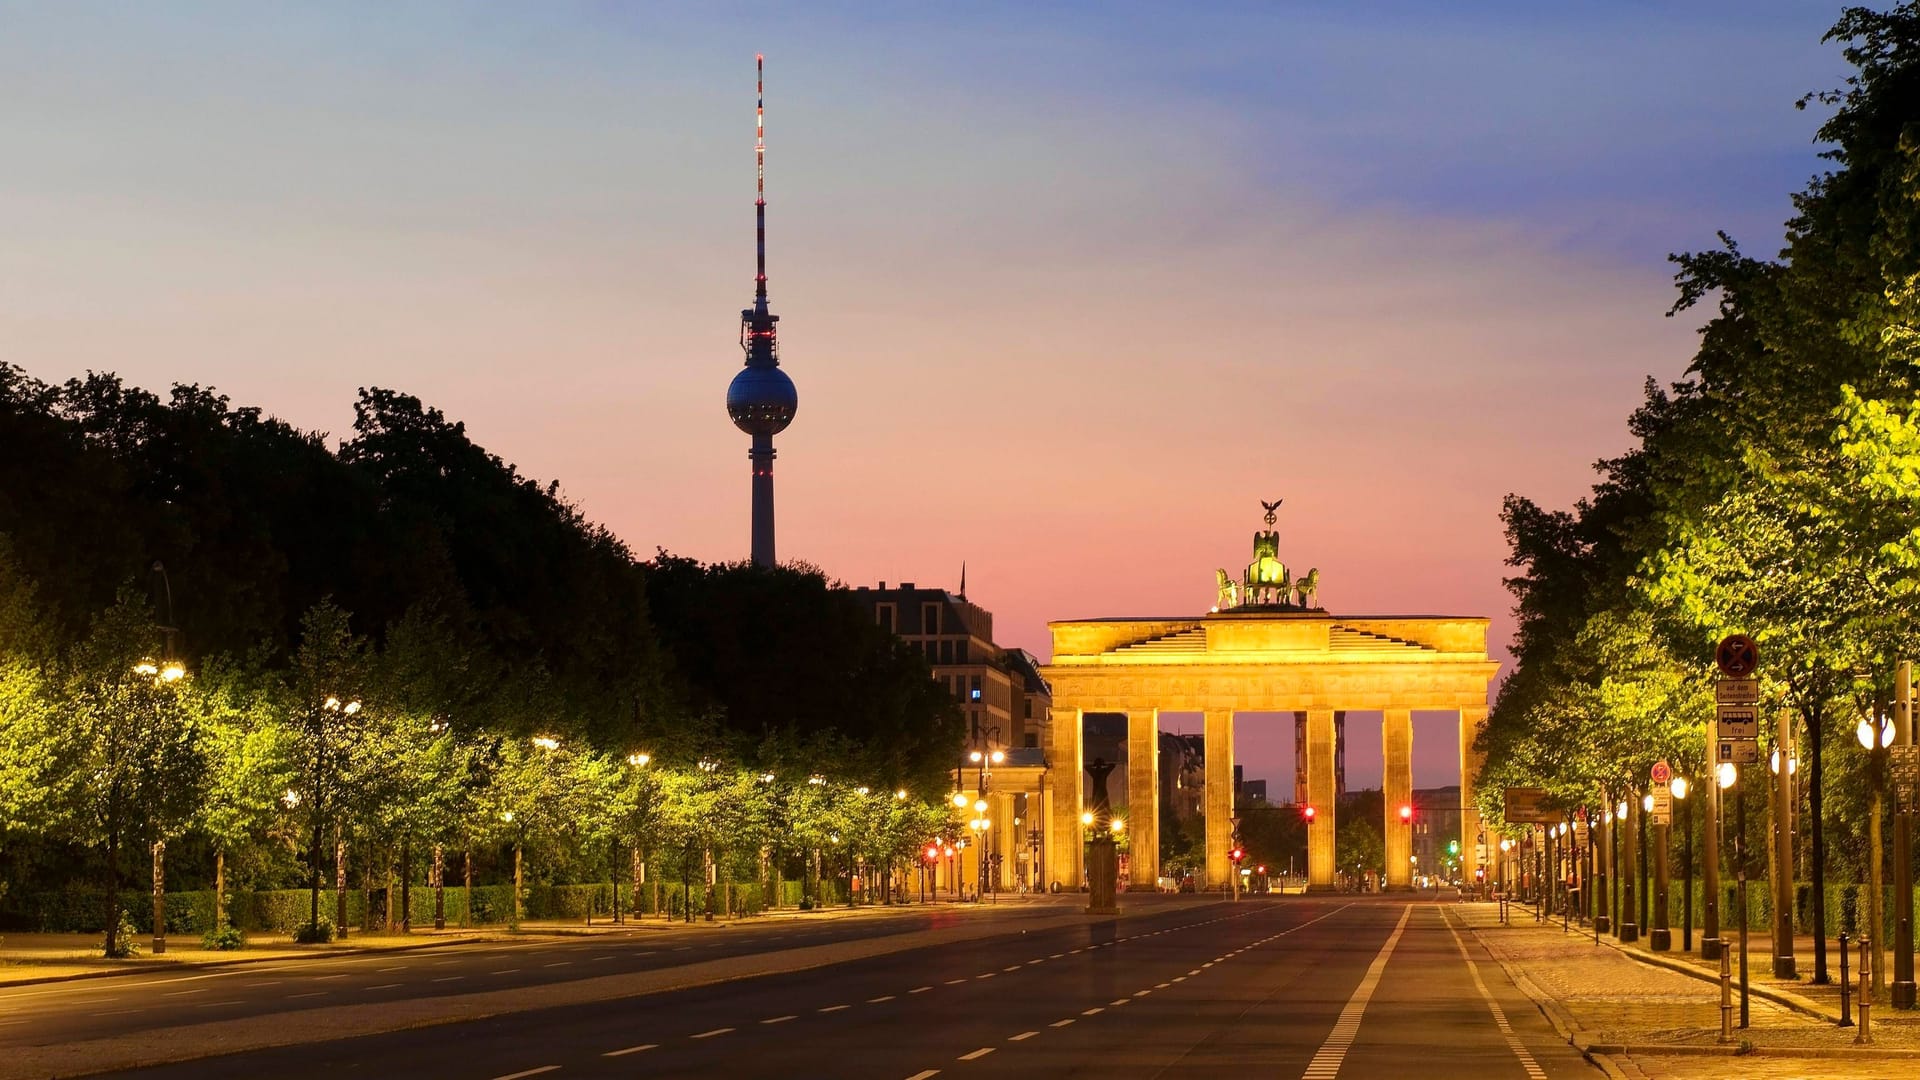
(1772, 491)
(219, 634)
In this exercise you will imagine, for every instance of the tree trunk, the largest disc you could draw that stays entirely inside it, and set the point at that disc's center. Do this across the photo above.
(113, 892)
(393, 917)
(439, 888)
(466, 919)
(639, 872)
(159, 897)
(406, 884)
(516, 886)
(1815, 724)
(339, 884)
(366, 893)
(220, 888)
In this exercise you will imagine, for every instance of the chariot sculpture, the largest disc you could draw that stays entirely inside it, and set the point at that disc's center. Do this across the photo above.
(1267, 581)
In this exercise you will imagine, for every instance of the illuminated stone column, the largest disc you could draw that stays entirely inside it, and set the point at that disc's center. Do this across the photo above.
(1006, 839)
(1471, 721)
(1320, 869)
(1065, 755)
(1143, 797)
(1396, 740)
(1218, 747)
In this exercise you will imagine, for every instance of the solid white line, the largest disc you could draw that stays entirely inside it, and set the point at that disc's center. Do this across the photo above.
(629, 1050)
(1326, 1061)
(528, 1072)
(1531, 1066)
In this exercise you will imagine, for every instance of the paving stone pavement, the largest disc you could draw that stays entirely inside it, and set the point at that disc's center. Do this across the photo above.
(1628, 1009)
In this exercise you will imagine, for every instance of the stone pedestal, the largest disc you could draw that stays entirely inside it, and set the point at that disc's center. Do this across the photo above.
(1103, 869)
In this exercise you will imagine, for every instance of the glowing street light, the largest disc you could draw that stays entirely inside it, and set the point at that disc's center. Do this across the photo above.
(960, 799)
(1725, 774)
(546, 742)
(639, 760)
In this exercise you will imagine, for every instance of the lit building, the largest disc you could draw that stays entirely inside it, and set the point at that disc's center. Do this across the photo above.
(1004, 701)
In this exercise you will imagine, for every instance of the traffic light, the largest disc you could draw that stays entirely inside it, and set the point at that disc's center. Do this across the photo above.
(1406, 814)
(1453, 847)
(1307, 812)
(1236, 854)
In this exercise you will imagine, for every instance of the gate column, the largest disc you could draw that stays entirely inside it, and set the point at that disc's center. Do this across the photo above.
(1066, 848)
(1396, 740)
(1471, 721)
(1143, 798)
(1320, 794)
(1218, 748)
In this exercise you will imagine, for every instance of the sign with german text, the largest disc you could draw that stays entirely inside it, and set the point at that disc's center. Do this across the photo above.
(1738, 721)
(1738, 752)
(1736, 691)
(1528, 806)
(1662, 806)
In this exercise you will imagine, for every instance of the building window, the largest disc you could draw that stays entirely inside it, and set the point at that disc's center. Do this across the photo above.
(1032, 739)
(975, 688)
(1029, 704)
(946, 652)
(960, 651)
(929, 618)
(885, 616)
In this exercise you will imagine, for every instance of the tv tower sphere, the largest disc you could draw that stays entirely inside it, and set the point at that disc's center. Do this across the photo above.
(762, 400)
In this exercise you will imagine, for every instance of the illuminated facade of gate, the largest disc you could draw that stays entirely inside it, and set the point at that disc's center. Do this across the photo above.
(1268, 659)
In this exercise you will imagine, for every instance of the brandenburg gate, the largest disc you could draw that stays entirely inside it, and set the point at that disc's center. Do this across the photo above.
(1264, 648)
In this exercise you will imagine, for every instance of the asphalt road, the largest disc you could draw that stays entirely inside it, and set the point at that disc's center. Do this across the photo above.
(1296, 987)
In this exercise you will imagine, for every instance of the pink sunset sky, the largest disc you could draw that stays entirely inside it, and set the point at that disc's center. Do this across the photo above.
(1065, 293)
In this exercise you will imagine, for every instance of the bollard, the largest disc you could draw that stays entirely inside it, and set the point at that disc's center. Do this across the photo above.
(1864, 1034)
(1726, 992)
(1846, 988)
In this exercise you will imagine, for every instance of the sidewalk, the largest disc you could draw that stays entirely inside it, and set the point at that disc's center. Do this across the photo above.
(1641, 1015)
(27, 958)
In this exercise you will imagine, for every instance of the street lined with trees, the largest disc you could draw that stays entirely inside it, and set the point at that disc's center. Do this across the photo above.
(1771, 492)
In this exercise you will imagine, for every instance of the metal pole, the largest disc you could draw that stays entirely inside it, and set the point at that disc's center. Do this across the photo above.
(1726, 994)
(1686, 893)
(1710, 941)
(1846, 991)
(1864, 1035)
(1740, 876)
(1662, 934)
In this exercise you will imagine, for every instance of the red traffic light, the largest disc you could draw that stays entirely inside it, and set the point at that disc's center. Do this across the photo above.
(1262, 869)
(1406, 813)
(1307, 812)
(1237, 854)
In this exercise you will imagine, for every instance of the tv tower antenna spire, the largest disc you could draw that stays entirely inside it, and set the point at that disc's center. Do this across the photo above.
(760, 183)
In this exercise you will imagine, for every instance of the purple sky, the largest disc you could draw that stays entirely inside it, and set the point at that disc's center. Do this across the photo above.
(1064, 293)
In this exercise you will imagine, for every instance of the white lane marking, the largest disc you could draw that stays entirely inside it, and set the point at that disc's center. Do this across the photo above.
(311, 993)
(1161, 986)
(325, 978)
(1326, 1060)
(1056, 956)
(1095, 1009)
(528, 1072)
(1011, 967)
(603, 958)
(1063, 1023)
(710, 1034)
(385, 986)
(878, 1000)
(919, 989)
(1022, 1037)
(396, 967)
(449, 978)
(980, 1053)
(558, 963)
(988, 975)
(1119, 1001)
(1141, 993)
(781, 1019)
(174, 993)
(269, 982)
(955, 982)
(504, 971)
(630, 1050)
(1534, 1072)
(216, 1004)
(924, 1074)
(834, 1008)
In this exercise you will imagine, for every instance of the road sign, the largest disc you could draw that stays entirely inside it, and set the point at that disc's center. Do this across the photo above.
(1662, 772)
(1738, 721)
(1662, 805)
(1739, 751)
(1528, 806)
(1903, 767)
(1737, 656)
(1736, 691)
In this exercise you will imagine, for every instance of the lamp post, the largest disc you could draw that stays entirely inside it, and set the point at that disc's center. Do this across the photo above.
(321, 719)
(1660, 937)
(1679, 787)
(1876, 738)
(1629, 923)
(1782, 798)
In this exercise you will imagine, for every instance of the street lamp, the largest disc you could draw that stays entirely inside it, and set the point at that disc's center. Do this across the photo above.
(1876, 743)
(1679, 787)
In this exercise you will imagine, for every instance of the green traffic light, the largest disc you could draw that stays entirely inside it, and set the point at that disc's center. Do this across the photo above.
(1453, 847)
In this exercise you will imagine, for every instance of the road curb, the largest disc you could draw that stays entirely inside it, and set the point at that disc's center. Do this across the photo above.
(242, 961)
(1804, 1006)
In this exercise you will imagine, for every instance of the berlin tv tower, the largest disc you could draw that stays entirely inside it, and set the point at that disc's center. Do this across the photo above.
(761, 399)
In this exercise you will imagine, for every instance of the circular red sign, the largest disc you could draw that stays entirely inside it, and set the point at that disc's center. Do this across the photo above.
(1737, 656)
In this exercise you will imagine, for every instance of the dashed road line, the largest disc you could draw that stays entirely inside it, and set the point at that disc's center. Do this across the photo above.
(1022, 1037)
(977, 1054)
(781, 1019)
(710, 1034)
(528, 1072)
(833, 1008)
(630, 1050)
(1063, 1023)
